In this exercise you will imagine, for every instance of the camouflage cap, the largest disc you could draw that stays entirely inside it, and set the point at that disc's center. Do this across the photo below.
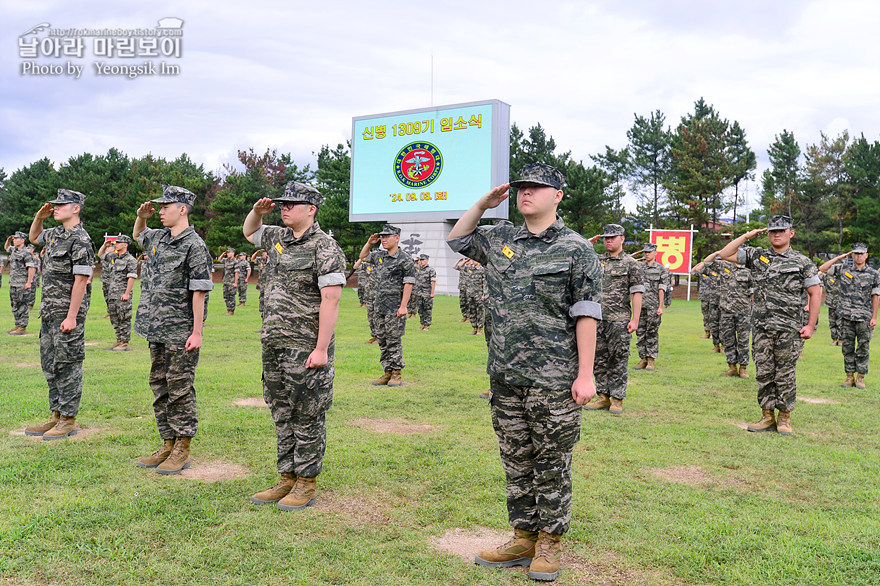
(69, 196)
(123, 239)
(609, 230)
(779, 223)
(174, 194)
(389, 230)
(295, 191)
(649, 247)
(424, 257)
(20, 234)
(542, 174)
(230, 249)
(860, 248)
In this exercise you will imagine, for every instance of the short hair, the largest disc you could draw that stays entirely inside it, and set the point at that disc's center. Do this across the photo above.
(189, 208)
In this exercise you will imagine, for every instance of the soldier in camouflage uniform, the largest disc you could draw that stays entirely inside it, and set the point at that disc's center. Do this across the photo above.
(544, 286)
(307, 274)
(369, 287)
(230, 286)
(648, 332)
(461, 266)
(426, 280)
(242, 274)
(707, 281)
(857, 307)
(70, 259)
(412, 308)
(22, 269)
(832, 294)
(623, 277)
(260, 259)
(32, 292)
(395, 277)
(735, 306)
(782, 278)
(179, 268)
(119, 272)
(361, 271)
(476, 292)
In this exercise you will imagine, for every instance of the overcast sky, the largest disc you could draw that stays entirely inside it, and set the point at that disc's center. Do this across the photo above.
(291, 75)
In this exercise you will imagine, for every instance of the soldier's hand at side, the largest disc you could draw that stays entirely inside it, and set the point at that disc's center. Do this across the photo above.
(193, 342)
(146, 210)
(583, 389)
(317, 359)
(807, 332)
(495, 196)
(68, 325)
(45, 211)
(632, 326)
(263, 206)
(401, 311)
(873, 322)
(660, 310)
(124, 297)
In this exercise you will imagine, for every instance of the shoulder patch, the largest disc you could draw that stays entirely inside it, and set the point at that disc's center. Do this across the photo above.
(507, 252)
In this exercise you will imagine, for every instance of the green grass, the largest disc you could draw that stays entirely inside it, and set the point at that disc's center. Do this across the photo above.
(769, 509)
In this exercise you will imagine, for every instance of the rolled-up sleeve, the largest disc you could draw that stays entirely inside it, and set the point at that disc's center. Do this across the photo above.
(197, 265)
(258, 236)
(337, 279)
(587, 287)
(473, 245)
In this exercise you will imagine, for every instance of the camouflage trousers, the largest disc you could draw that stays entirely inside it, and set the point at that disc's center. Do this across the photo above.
(362, 294)
(735, 331)
(371, 317)
(475, 309)
(537, 430)
(18, 298)
(32, 292)
(648, 334)
(105, 289)
(425, 309)
(120, 316)
(855, 358)
(61, 358)
(261, 286)
(298, 398)
(776, 355)
(462, 302)
(612, 354)
(389, 333)
(172, 374)
(711, 315)
(834, 324)
(412, 306)
(242, 291)
(229, 296)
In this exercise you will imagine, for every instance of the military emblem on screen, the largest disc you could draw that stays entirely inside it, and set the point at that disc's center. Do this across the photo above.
(418, 164)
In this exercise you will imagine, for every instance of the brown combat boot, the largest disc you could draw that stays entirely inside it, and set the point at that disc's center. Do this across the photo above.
(302, 495)
(17, 331)
(464, 319)
(277, 492)
(545, 566)
(743, 373)
(178, 460)
(158, 456)
(616, 407)
(650, 365)
(230, 312)
(602, 402)
(115, 345)
(396, 380)
(518, 551)
(716, 349)
(642, 364)
(485, 394)
(706, 335)
(66, 426)
(426, 328)
(767, 422)
(783, 423)
(382, 380)
(731, 370)
(123, 347)
(850, 381)
(372, 340)
(860, 381)
(43, 427)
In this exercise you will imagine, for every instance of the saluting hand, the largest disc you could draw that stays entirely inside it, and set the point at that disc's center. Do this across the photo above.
(146, 210)
(495, 196)
(45, 211)
(263, 206)
(752, 233)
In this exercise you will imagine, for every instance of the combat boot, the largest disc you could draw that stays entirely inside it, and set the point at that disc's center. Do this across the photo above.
(716, 349)
(230, 312)
(122, 347)
(650, 365)
(783, 424)
(158, 456)
(464, 319)
(426, 328)
(642, 364)
(372, 340)
(473, 333)
(396, 380)
(731, 370)
(302, 495)
(616, 407)
(17, 331)
(860, 381)
(743, 373)
(479, 332)
(602, 402)
(66, 426)
(277, 492)
(545, 566)
(850, 381)
(115, 345)
(706, 335)
(518, 551)
(485, 394)
(178, 460)
(43, 427)
(767, 422)
(383, 380)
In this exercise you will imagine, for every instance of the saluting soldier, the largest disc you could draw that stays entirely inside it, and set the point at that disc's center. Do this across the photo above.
(22, 271)
(426, 281)
(230, 286)
(648, 332)
(242, 274)
(832, 295)
(260, 259)
(734, 307)
(119, 272)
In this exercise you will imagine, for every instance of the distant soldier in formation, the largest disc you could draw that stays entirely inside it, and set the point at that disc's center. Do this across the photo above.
(22, 271)
(38, 259)
(461, 266)
(648, 333)
(859, 287)
(395, 276)
(230, 286)
(423, 290)
(242, 274)
(179, 268)
(412, 308)
(119, 271)
(782, 278)
(369, 287)
(832, 300)
(70, 260)
(707, 285)
(260, 259)
(735, 307)
(476, 293)
(307, 274)
(623, 278)
(361, 272)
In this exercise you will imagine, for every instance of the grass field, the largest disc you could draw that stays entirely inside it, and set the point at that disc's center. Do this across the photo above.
(672, 492)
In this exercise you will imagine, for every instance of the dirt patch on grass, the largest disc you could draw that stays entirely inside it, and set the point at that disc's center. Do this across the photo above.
(465, 543)
(362, 510)
(250, 402)
(398, 426)
(741, 425)
(90, 344)
(692, 475)
(817, 401)
(27, 365)
(216, 471)
(81, 434)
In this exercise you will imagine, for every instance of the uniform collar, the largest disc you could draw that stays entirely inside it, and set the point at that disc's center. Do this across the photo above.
(548, 235)
(175, 239)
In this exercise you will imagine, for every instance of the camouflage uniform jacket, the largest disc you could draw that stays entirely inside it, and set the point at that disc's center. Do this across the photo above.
(297, 271)
(68, 253)
(656, 278)
(176, 267)
(369, 281)
(392, 272)
(19, 261)
(622, 276)
(780, 286)
(229, 269)
(857, 288)
(261, 263)
(707, 285)
(424, 277)
(242, 269)
(117, 270)
(736, 298)
(538, 286)
(831, 286)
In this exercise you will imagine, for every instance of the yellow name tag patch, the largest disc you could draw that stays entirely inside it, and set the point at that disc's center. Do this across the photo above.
(714, 274)
(848, 275)
(507, 252)
(278, 248)
(764, 259)
(154, 250)
(727, 271)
